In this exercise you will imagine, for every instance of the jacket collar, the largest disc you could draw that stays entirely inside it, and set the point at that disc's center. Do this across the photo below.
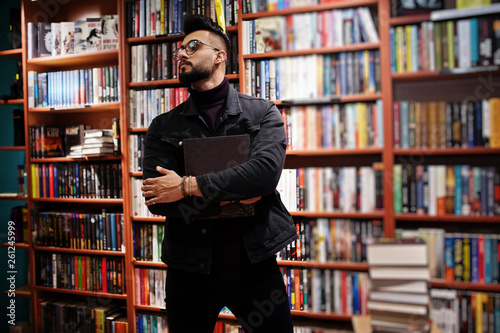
(233, 106)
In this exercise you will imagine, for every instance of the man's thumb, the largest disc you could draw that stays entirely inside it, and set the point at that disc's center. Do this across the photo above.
(161, 170)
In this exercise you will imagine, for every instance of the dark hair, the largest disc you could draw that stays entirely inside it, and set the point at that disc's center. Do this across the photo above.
(194, 23)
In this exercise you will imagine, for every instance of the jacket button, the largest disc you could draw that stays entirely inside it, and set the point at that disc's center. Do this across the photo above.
(201, 267)
(180, 143)
(204, 231)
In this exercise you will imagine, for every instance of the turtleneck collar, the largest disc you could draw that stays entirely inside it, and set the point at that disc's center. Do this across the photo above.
(211, 96)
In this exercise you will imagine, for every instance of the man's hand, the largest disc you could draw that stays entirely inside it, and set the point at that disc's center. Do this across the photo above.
(166, 188)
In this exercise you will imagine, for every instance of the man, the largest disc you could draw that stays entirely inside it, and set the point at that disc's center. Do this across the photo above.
(216, 262)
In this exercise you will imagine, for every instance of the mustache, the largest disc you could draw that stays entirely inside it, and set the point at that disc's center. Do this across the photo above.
(183, 62)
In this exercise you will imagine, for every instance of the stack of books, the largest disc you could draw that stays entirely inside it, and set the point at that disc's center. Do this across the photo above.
(399, 299)
(97, 142)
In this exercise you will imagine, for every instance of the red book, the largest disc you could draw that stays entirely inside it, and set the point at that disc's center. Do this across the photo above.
(51, 180)
(84, 273)
(480, 258)
(344, 291)
(298, 294)
(397, 124)
(104, 273)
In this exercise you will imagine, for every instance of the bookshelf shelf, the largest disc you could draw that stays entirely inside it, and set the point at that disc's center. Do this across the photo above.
(136, 174)
(330, 100)
(12, 196)
(15, 54)
(22, 291)
(410, 19)
(78, 251)
(114, 106)
(447, 151)
(79, 200)
(444, 74)
(149, 308)
(166, 38)
(82, 293)
(12, 102)
(22, 246)
(325, 50)
(138, 130)
(98, 59)
(447, 218)
(148, 219)
(322, 315)
(352, 266)
(465, 285)
(150, 264)
(329, 152)
(308, 9)
(340, 215)
(14, 148)
(69, 159)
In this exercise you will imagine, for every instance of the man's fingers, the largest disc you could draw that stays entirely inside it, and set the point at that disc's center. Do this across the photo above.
(161, 170)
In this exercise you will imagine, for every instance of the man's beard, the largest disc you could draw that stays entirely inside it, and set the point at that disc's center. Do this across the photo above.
(194, 75)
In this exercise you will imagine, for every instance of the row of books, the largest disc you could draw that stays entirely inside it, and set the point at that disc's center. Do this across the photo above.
(461, 190)
(345, 189)
(314, 76)
(88, 231)
(83, 273)
(150, 62)
(153, 17)
(147, 104)
(139, 208)
(73, 88)
(325, 240)
(445, 45)
(76, 180)
(151, 323)
(136, 152)
(309, 30)
(324, 290)
(150, 286)
(148, 241)
(441, 124)
(254, 6)
(465, 311)
(471, 258)
(92, 34)
(337, 126)
(76, 315)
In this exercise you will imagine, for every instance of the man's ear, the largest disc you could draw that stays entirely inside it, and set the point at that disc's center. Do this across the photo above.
(221, 57)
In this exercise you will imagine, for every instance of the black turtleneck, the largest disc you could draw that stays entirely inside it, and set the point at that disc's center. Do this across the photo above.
(210, 103)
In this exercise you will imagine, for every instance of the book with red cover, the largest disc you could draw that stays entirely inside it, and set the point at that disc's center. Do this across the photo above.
(215, 154)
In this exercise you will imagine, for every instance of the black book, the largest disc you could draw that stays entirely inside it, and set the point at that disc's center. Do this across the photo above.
(44, 39)
(218, 154)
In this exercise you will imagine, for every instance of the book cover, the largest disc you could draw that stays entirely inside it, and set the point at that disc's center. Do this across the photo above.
(109, 27)
(80, 36)
(44, 39)
(219, 153)
(67, 38)
(269, 32)
(93, 35)
(51, 141)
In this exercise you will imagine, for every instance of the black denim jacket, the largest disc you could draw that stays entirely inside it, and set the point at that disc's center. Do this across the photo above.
(187, 243)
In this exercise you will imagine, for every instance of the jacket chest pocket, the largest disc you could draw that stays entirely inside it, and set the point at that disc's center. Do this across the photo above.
(172, 148)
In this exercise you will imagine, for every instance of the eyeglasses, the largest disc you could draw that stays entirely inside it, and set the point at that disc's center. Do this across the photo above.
(190, 48)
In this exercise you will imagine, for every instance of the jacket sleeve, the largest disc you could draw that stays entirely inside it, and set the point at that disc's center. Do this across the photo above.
(158, 153)
(261, 173)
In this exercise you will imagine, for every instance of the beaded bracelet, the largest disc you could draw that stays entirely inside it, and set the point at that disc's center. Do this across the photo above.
(190, 182)
(183, 190)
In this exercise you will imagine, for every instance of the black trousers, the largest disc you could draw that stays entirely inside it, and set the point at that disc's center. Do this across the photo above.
(255, 294)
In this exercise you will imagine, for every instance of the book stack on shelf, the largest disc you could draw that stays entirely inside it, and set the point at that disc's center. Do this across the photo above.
(97, 142)
(399, 299)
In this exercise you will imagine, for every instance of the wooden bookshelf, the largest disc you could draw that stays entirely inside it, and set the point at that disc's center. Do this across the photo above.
(15, 54)
(22, 291)
(79, 251)
(82, 293)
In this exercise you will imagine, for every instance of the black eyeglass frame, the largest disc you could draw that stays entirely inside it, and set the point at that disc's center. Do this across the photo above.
(193, 45)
